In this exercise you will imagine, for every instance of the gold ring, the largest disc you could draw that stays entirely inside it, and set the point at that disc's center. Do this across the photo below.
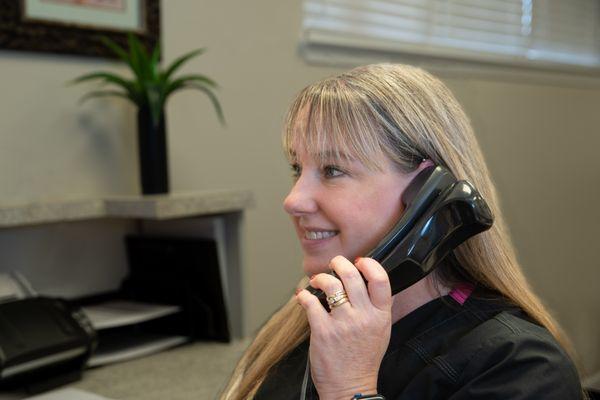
(336, 296)
(339, 302)
(337, 299)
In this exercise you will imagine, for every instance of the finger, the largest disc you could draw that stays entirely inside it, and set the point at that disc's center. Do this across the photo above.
(316, 314)
(378, 282)
(328, 283)
(354, 283)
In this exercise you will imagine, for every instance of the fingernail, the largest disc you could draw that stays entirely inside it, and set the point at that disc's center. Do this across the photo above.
(356, 260)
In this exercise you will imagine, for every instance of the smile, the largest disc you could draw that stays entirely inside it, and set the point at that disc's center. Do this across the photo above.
(318, 235)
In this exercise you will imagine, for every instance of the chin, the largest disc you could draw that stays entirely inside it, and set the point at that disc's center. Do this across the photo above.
(313, 267)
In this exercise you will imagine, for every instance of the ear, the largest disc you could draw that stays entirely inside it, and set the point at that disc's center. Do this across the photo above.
(424, 164)
(412, 188)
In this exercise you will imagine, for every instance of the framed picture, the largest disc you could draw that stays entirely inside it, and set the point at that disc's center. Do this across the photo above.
(74, 26)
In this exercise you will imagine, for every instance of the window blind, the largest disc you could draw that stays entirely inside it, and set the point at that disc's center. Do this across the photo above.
(524, 31)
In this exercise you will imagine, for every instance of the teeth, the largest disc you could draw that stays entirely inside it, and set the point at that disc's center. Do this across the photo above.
(317, 235)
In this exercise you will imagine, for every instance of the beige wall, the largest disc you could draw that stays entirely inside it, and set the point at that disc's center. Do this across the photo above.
(540, 141)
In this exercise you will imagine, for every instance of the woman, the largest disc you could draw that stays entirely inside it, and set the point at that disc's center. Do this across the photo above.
(469, 330)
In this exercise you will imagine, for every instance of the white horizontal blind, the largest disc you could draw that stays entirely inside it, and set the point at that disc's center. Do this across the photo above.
(542, 31)
(566, 31)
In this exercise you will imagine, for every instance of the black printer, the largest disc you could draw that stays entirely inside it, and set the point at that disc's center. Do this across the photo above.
(43, 341)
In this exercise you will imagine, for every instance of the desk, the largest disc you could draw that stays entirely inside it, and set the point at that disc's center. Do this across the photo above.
(189, 372)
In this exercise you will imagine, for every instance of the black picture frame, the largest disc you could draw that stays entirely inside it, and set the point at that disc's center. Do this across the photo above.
(18, 33)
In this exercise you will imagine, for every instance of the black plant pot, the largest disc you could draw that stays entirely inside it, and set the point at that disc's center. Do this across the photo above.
(152, 147)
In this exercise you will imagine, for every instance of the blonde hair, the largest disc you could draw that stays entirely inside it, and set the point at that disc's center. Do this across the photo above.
(408, 115)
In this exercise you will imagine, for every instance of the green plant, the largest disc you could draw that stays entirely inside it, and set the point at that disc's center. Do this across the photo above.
(151, 86)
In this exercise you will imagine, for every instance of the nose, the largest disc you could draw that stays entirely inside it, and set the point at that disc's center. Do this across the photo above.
(302, 198)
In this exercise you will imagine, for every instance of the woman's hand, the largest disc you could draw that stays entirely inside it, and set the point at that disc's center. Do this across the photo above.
(348, 343)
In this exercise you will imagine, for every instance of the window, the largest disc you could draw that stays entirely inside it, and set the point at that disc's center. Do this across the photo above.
(527, 32)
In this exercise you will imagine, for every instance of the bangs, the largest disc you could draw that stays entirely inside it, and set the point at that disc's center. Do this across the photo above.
(330, 121)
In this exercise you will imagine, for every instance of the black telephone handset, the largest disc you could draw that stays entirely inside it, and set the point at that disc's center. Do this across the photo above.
(441, 212)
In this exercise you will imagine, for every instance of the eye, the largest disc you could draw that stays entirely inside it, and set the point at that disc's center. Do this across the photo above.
(295, 170)
(331, 171)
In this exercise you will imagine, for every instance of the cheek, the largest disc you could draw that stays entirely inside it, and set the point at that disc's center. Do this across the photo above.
(378, 209)
(372, 220)
(358, 224)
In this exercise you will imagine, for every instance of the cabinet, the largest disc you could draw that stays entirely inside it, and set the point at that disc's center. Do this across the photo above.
(74, 248)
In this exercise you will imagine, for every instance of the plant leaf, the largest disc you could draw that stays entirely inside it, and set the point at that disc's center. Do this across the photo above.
(211, 96)
(115, 48)
(184, 80)
(98, 75)
(126, 57)
(106, 93)
(136, 57)
(175, 65)
(202, 79)
(154, 60)
(108, 77)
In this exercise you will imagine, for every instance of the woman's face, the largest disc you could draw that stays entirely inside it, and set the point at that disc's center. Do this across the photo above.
(342, 208)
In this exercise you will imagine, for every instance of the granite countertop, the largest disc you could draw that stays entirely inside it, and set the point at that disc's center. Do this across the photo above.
(173, 205)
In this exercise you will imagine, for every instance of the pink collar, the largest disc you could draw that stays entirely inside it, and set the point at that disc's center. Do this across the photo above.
(461, 292)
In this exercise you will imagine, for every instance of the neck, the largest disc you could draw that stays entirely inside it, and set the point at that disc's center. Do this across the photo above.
(415, 296)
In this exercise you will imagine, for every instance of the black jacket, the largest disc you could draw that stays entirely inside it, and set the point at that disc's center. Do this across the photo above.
(484, 349)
